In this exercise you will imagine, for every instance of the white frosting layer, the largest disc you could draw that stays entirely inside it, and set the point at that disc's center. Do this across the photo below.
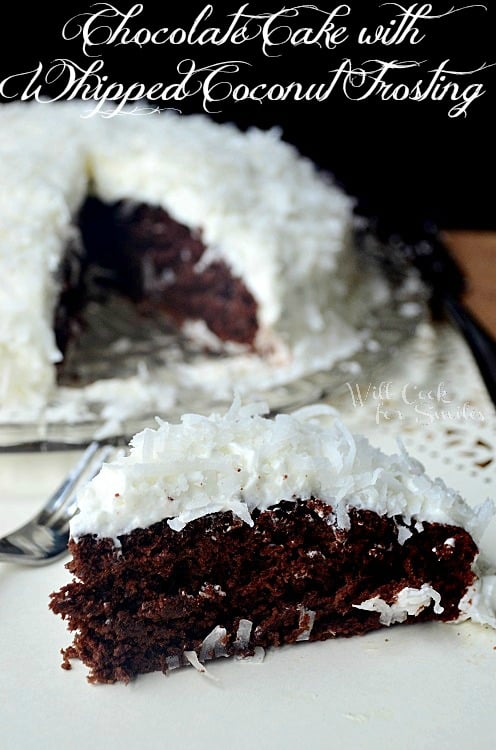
(266, 211)
(43, 181)
(242, 461)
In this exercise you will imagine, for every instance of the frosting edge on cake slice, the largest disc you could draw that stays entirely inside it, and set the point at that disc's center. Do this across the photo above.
(243, 461)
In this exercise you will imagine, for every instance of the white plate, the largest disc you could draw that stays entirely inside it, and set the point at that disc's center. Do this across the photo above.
(420, 686)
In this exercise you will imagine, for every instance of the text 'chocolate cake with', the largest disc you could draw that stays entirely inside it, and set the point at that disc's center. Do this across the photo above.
(225, 535)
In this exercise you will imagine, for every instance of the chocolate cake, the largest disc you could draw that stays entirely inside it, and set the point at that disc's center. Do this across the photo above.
(229, 534)
(238, 240)
(153, 260)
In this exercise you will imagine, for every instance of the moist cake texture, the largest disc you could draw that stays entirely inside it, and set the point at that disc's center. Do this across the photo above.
(237, 237)
(154, 261)
(224, 535)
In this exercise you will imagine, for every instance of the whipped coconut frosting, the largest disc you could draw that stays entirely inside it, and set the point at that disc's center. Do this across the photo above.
(242, 461)
(266, 211)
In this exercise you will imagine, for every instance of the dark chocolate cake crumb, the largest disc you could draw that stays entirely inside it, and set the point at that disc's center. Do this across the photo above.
(140, 252)
(138, 608)
(154, 261)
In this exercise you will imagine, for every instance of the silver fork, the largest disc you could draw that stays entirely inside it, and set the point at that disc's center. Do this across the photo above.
(44, 538)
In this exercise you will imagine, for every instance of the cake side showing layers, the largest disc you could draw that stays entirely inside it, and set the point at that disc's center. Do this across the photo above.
(293, 576)
(228, 533)
(153, 260)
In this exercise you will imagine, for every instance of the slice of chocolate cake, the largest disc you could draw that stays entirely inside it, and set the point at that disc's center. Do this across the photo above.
(223, 535)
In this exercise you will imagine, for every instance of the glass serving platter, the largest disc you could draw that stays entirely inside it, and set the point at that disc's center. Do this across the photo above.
(118, 344)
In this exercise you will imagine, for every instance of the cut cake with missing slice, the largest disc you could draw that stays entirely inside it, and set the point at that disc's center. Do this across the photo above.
(231, 236)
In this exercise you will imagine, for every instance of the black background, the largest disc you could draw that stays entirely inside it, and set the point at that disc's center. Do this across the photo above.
(398, 156)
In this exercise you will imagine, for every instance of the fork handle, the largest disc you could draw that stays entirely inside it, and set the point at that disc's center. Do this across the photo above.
(481, 343)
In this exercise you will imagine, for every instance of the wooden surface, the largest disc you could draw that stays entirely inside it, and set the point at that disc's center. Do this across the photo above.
(476, 254)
